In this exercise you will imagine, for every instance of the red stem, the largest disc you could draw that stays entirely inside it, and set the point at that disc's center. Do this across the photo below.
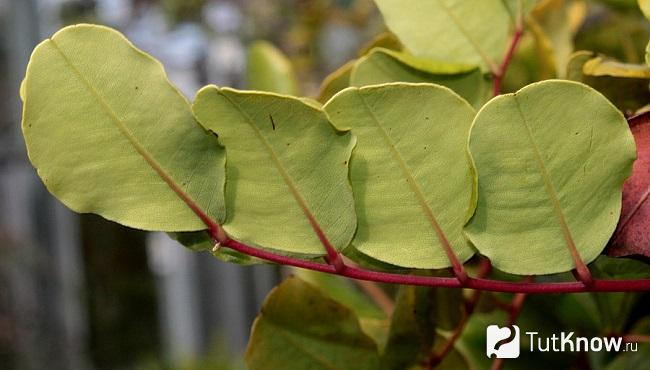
(515, 309)
(447, 282)
(498, 75)
(470, 305)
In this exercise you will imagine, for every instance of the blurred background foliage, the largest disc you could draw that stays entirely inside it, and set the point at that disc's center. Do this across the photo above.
(207, 41)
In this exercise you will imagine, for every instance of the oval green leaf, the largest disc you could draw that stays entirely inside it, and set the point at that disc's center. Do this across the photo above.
(551, 160)
(300, 328)
(287, 170)
(384, 66)
(465, 32)
(624, 84)
(410, 174)
(110, 135)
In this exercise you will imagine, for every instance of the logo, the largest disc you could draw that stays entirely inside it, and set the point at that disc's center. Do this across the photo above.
(502, 342)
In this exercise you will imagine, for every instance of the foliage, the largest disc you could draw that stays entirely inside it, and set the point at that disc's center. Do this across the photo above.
(404, 164)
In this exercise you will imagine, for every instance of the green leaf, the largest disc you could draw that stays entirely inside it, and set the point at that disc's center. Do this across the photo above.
(602, 66)
(550, 25)
(615, 308)
(575, 64)
(465, 32)
(343, 291)
(551, 160)
(335, 82)
(383, 66)
(110, 135)
(287, 170)
(412, 329)
(624, 84)
(270, 70)
(410, 137)
(299, 328)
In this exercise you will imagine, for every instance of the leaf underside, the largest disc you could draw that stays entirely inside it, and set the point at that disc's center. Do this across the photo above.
(451, 31)
(287, 170)
(299, 325)
(110, 135)
(385, 66)
(409, 172)
(551, 160)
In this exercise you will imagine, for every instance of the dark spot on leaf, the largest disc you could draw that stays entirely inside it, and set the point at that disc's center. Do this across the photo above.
(272, 122)
(345, 162)
(136, 88)
(426, 118)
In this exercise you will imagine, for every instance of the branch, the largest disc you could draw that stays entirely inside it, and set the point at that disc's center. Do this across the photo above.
(470, 305)
(515, 309)
(636, 285)
(514, 42)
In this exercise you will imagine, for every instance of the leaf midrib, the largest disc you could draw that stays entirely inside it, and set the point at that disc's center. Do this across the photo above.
(293, 188)
(482, 53)
(548, 184)
(140, 149)
(406, 171)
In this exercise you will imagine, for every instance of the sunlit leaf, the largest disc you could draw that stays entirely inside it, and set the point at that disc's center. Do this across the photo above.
(452, 31)
(601, 66)
(624, 84)
(550, 24)
(109, 134)
(551, 160)
(299, 328)
(287, 170)
(383, 66)
(410, 137)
